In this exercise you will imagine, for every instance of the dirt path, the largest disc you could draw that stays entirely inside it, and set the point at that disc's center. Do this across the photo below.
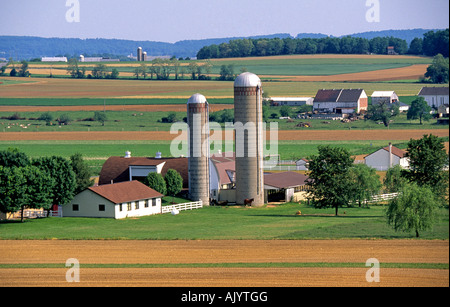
(294, 135)
(224, 251)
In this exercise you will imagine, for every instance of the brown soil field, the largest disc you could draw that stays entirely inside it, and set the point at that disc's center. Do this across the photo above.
(403, 73)
(287, 135)
(140, 108)
(225, 251)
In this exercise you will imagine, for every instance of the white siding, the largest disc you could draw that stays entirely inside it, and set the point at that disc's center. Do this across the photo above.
(380, 160)
(436, 100)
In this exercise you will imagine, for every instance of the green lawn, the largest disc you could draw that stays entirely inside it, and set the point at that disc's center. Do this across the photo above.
(265, 223)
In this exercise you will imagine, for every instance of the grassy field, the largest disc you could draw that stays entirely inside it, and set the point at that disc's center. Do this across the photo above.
(226, 223)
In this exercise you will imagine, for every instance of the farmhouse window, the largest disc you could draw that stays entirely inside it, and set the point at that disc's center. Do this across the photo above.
(75, 207)
(129, 206)
(136, 205)
(120, 207)
(101, 207)
(146, 203)
(153, 202)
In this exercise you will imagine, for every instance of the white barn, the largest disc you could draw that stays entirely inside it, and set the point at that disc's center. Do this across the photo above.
(387, 157)
(435, 96)
(118, 200)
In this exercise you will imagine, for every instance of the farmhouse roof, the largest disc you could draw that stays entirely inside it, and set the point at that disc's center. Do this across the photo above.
(116, 169)
(125, 191)
(395, 151)
(285, 180)
(434, 91)
(340, 95)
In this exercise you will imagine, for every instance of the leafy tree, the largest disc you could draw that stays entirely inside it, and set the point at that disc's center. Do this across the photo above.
(174, 182)
(394, 180)
(156, 182)
(47, 117)
(37, 188)
(99, 71)
(416, 46)
(82, 173)
(114, 74)
(100, 117)
(63, 178)
(329, 177)
(438, 71)
(419, 109)
(415, 209)
(23, 71)
(74, 70)
(64, 119)
(12, 189)
(13, 72)
(427, 161)
(13, 157)
(383, 111)
(365, 182)
(285, 111)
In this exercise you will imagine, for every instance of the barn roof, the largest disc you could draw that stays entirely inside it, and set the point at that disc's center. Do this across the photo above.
(125, 191)
(116, 169)
(285, 180)
(434, 91)
(339, 95)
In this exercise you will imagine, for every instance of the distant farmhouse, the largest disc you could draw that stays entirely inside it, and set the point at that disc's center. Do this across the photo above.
(83, 59)
(387, 157)
(435, 96)
(340, 101)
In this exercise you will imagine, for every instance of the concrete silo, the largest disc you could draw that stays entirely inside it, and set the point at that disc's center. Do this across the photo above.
(249, 139)
(198, 161)
(139, 54)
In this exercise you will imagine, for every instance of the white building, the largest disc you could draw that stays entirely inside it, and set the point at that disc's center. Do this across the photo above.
(54, 59)
(435, 96)
(118, 200)
(302, 164)
(389, 96)
(291, 101)
(387, 157)
(341, 101)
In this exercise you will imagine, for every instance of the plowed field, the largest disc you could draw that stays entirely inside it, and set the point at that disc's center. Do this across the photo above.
(314, 135)
(222, 252)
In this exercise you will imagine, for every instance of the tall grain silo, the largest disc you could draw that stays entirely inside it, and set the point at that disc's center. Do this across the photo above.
(139, 54)
(198, 161)
(249, 139)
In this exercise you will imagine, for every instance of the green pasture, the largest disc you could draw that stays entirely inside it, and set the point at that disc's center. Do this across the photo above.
(97, 152)
(274, 223)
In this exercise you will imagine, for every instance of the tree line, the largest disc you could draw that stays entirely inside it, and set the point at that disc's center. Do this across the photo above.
(40, 182)
(431, 44)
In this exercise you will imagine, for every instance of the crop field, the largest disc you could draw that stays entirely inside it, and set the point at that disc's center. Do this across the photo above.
(214, 246)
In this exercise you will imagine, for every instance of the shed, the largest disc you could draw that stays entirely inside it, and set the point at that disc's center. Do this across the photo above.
(285, 186)
(302, 164)
(118, 200)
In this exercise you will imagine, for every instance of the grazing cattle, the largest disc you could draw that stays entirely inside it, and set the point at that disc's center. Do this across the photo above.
(248, 201)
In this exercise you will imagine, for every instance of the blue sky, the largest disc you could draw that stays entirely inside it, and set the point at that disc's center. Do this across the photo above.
(174, 20)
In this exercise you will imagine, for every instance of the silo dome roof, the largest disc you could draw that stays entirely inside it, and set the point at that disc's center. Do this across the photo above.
(197, 98)
(247, 79)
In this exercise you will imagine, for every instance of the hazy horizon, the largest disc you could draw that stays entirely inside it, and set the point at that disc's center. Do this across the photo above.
(178, 20)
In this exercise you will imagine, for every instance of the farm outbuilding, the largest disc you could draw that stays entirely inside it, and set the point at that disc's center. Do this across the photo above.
(341, 101)
(302, 164)
(387, 157)
(291, 101)
(389, 96)
(118, 200)
(285, 186)
(435, 96)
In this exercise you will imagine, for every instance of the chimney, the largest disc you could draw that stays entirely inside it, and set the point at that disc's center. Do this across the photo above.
(390, 154)
(127, 154)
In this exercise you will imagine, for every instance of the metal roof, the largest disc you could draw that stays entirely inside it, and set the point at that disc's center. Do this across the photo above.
(197, 98)
(247, 79)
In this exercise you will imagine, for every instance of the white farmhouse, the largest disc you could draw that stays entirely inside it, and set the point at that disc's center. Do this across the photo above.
(118, 200)
(435, 96)
(387, 157)
(389, 96)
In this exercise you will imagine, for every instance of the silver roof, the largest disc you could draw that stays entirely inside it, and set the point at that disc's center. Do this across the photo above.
(247, 79)
(197, 98)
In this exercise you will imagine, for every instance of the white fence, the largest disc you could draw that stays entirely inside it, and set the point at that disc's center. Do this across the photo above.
(182, 207)
(31, 214)
(382, 197)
